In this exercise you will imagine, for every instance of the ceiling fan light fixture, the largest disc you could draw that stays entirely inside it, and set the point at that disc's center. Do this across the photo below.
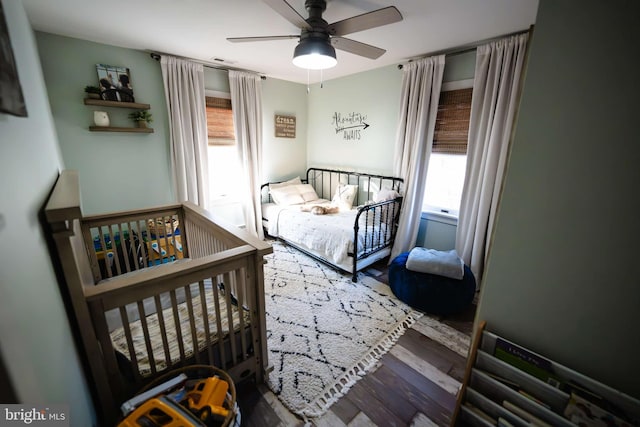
(314, 55)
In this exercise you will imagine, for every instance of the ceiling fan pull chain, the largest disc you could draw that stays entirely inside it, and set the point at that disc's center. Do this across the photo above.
(308, 89)
(321, 79)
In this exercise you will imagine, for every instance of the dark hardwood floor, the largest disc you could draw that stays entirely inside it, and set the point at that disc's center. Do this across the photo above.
(414, 384)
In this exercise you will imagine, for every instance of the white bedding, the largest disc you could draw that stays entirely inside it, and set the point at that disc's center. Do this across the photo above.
(328, 236)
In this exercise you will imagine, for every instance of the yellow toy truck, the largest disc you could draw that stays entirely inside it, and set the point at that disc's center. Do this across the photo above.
(180, 402)
(207, 397)
(160, 411)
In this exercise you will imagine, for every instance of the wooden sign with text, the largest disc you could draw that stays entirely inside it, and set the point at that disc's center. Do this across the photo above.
(285, 126)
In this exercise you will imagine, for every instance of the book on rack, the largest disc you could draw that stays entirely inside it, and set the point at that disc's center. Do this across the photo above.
(524, 360)
(502, 422)
(525, 415)
(511, 384)
(481, 414)
(583, 412)
(534, 399)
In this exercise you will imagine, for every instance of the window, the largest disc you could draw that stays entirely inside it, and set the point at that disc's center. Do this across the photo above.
(445, 179)
(448, 160)
(225, 172)
(220, 121)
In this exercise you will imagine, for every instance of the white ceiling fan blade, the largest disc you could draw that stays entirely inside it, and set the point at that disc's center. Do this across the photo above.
(260, 38)
(377, 18)
(357, 48)
(288, 13)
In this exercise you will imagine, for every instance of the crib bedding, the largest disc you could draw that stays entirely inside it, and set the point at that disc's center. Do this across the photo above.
(327, 236)
(119, 340)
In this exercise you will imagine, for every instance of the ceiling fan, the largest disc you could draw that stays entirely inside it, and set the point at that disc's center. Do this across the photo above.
(318, 39)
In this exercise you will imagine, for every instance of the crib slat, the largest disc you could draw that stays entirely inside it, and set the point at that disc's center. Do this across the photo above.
(93, 259)
(176, 322)
(147, 339)
(195, 240)
(205, 315)
(132, 351)
(230, 280)
(163, 330)
(192, 323)
(114, 248)
(105, 252)
(186, 241)
(132, 246)
(143, 245)
(241, 302)
(165, 235)
(202, 241)
(252, 304)
(219, 336)
(151, 238)
(212, 245)
(123, 247)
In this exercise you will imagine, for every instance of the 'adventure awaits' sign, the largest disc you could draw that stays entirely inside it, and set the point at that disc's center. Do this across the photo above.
(350, 125)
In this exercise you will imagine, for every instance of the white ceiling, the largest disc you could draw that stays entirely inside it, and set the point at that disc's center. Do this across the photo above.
(198, 29)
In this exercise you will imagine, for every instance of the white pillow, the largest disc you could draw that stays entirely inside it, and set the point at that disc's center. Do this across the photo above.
(384, 195)
(293, 181)
(288, 195)
(307, 192)
(344, 196)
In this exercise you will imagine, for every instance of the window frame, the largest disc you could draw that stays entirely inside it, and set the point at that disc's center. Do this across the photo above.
(439, 211)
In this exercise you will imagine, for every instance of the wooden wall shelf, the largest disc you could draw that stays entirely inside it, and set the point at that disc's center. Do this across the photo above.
(119, 104)
(119, 129)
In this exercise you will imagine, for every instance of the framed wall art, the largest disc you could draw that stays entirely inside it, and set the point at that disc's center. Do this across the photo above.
(114, 83)
(11, 98)
(285, 126)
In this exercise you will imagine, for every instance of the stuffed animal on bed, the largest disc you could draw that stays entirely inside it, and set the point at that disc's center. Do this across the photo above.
(320, 210)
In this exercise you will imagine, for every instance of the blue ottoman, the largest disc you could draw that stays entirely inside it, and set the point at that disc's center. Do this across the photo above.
(429, 292)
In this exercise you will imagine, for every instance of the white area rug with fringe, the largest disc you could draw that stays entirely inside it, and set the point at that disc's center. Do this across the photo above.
(324, 332)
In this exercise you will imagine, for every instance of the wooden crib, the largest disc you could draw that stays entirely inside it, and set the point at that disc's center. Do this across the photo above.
(157, 289)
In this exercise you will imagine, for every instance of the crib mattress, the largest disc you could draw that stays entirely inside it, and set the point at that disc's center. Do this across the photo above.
(173, 332)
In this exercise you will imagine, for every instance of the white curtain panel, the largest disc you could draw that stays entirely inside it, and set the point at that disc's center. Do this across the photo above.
(421, 83)
(246, 99)
(496, 91)
(184, 92)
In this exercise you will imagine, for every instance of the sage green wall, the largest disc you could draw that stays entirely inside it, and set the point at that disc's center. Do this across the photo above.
(459, 66)
(215, 79)
(35, 339)
(118, 171)
(374, 94)
(561, 276)
(284, 158)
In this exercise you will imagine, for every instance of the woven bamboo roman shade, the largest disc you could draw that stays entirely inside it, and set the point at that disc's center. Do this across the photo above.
(452, 123)
(220, 121)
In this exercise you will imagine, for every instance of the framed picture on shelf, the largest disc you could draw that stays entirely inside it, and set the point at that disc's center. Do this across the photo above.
(114, 83)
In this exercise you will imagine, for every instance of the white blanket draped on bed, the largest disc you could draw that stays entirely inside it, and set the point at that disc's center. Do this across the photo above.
(329, 235)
